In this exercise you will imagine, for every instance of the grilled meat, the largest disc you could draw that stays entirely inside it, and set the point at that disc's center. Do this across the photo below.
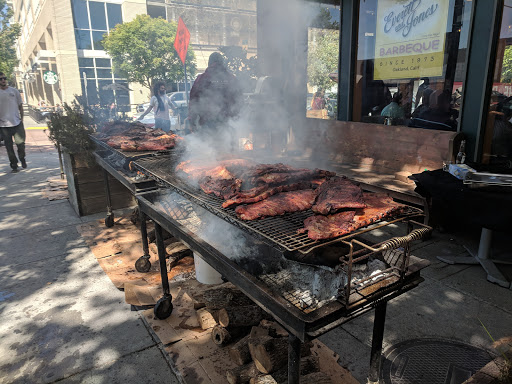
(279, 204)
(321, 227)
(338, 193)
(196, 170)
(378, 207)
(263, 192)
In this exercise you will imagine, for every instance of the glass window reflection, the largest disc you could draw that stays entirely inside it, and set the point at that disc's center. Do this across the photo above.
(410, 62)
(497, 145)
(98, 38)
(83, 39)
(80, 14)
(114, 15)
(322, 65)
(97, 11)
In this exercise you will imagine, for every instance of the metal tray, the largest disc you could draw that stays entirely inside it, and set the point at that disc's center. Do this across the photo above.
(488, 179)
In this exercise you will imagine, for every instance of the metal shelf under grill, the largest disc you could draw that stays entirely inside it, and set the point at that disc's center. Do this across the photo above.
(281, 231)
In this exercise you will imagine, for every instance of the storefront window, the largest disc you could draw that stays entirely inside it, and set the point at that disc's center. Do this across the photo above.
(411, 62)
(97, 11)
(497, 145)
(114, 15)
(322, 67)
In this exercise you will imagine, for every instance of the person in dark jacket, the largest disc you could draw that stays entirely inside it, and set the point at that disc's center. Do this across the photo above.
(215, 98)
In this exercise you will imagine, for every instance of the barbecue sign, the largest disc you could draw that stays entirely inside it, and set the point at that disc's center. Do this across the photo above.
(410, 38)
(181, 41)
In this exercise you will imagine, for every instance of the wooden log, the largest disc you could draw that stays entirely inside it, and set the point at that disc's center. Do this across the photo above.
(206, 318)
(268, 353)
(225, 295)
(258, 331)
(242, 374)
(316, 378)
(239, 352)
(247, 315)
(265, 379)
(308, 364)
(220, 335)
(274, 329)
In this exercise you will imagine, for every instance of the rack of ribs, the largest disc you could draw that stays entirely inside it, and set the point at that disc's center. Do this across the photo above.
(378, 207)
(279, 204)
(338, 193)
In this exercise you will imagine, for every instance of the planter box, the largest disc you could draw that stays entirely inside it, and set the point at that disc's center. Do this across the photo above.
(87, 188)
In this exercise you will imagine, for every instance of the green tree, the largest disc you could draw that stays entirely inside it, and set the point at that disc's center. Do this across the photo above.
(323, 53)
(506, 69)
(244, 68)
(142, 50)
(9, 33)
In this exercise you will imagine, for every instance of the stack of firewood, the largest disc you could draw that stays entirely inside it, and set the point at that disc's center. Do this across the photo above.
(258, 345)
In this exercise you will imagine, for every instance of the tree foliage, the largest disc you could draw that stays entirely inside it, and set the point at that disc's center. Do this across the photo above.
(9, 33)
(142, 50)
(323, 57)
(244, 68)
(506, 70)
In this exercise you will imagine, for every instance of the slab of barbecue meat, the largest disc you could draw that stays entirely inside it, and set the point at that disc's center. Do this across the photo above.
(321, 227)
(196, 169)
(378, 207)
(338, 193)
(285, 202)
(263, 192)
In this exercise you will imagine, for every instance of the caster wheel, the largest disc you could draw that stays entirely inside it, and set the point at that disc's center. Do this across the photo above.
(109, 221)
(143, 264)
(163, 308)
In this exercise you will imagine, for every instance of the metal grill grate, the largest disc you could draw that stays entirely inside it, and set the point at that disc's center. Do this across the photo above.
(280, 230)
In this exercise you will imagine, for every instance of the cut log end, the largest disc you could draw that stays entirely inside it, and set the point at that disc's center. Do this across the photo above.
(220, 335)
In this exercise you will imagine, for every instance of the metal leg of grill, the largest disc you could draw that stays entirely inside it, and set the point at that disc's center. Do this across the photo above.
(109, 220)
(143, 264)
(163, 307)
(378, 336)
(294, 345)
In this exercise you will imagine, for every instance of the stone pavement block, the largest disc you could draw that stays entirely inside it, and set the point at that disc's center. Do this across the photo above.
(141, 367)
(40, 245)
(31, 220)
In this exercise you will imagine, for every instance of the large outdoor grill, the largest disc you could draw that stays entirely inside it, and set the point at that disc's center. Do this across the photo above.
(276, 266)
(118, 164)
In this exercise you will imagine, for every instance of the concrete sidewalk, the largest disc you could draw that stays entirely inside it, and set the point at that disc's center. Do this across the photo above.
(62, 318)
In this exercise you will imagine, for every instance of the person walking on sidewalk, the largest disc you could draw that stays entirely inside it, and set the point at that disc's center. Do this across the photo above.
(11, 122)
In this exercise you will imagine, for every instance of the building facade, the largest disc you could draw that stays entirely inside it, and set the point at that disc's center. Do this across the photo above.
(64, 37)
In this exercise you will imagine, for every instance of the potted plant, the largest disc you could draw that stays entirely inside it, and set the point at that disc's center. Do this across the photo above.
(69, 130)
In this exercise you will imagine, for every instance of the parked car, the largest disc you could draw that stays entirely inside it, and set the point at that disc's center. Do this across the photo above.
(178, 98)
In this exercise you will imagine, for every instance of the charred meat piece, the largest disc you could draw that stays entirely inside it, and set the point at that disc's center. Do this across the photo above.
(253, 179)
(321, 227)
(197, 169)
(378, 207)
(338, 193)
(264, 192)
(223, 188)
(279, 204)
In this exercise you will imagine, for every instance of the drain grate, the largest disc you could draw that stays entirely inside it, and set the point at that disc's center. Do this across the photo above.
(432, 361)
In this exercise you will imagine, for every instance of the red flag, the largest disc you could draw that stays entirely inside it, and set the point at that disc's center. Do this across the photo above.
(181, 41)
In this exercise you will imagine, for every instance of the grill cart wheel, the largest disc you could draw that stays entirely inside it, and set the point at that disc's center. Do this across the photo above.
(109, 221)
(163, 308)
(143, 264)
